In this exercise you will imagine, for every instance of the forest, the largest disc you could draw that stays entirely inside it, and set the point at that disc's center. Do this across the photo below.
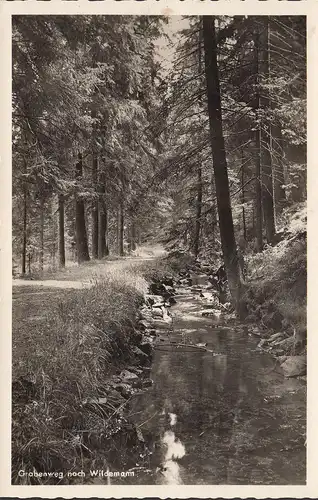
(187, 134)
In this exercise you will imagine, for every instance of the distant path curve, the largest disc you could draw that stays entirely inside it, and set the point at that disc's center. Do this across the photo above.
(82, 276)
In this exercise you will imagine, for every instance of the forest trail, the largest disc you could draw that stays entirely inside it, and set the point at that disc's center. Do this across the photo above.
(84, 276)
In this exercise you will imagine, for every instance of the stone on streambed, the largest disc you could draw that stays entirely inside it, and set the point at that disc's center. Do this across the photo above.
(142, 357)
(157, 312)
(209, 297)
(126, 390)
(255, 331)
(147, 382)
(287, 345)
(276, 337)
(136, 370)
(186, 281)
(147, 345)
(167, 280)
(163, 324)
(214, 313)
(294, 366)
(145, 315)
(150, 332)
(145, 325)
(128, 376)
(164, 291)
(154, 300)
(263, 343)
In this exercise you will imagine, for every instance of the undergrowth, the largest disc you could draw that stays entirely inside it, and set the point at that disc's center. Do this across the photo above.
(62, 359)
(277, 279)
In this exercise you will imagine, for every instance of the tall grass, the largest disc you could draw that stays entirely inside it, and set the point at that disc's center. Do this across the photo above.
(63, 360)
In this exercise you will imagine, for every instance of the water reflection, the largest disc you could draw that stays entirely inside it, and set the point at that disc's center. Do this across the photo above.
(173, 419)
(217, 421)
(174, 450)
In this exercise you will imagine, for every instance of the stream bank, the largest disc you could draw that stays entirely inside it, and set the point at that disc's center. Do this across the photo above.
(219, 409)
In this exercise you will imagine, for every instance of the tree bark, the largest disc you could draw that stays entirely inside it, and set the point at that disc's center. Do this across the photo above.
(229, 249)
(25, 219)
(53, 253)
(106, 232)
(266, 157)
(197, 228)
(95, 209)
(61, 232)
(102, 221)
(214, 221)
(278, 173)
(42, 233)
(258, 186)
(133, 236)
(102, 230)
(80, 225)
(243, 197)
(120, 228)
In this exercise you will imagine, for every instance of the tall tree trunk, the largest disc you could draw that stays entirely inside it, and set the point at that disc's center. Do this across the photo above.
(120, 228)
(95, 208)
(197, 228)
(102, 230)
(106, 232)
(53, 253)
(103, 250)
(80, 225)
(61, 232)
(253, 220)
(278, 171)
(133, 236)
(42, 206)
(25, 221)
(266, 157)
(220, 166)
(214, 221)
(258, 185)
(243, 197)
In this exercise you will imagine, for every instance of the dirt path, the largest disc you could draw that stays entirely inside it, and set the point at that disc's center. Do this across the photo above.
(78, 277)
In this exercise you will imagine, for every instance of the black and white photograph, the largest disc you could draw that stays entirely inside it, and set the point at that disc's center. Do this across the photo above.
(159, 250)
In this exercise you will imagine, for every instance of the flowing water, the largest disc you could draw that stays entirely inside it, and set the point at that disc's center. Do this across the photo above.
(222, 417)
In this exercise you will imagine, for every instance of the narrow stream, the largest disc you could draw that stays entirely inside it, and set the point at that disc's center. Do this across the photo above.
(227, 417)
